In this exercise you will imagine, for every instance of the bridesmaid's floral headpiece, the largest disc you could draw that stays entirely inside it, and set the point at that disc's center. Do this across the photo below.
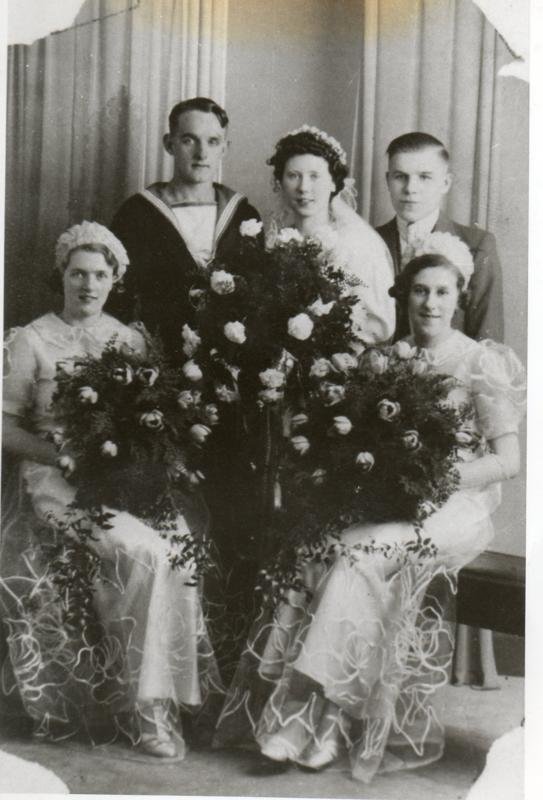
(323, 137)
(90, 233)
(452, 248)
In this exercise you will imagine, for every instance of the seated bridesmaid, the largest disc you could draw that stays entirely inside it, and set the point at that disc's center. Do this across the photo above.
(352, 666)
(154, 654)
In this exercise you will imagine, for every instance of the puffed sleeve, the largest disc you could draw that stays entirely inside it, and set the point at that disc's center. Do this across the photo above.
(20, 372)
(498, 382)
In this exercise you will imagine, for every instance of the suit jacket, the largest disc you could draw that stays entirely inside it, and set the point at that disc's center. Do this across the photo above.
(162, 269)
(483, 317)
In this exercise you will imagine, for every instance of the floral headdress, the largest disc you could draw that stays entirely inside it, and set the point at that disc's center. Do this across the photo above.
(324, 137)
(452, 248)
(90, 233)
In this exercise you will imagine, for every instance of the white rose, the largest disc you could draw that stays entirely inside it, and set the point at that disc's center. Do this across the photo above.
(318, 476)
(403, 350)
(250, 227)
(320, 368)
(235, 332)
(332, 393)
(196, 294)
(365, 460)
(211, 414)
(464, 438)
(222, 282)
(418, 366)
(109, 449)
(285, 362)
(122, 375)
(300, 327)
(343, 362)
(300, 444)
(411, 440)
(343, 425)
(377, 361)
(298, 420)
(320, 309)
(87, 395)
(270, 395)
(66, 464)
(147, 375)
(191, 338)
(192, 371)
(287, 235)
(226, 395)
(388, 409)
(272, 378)
(200, 433)
(185, 399)
(57, 437)
(152, 419)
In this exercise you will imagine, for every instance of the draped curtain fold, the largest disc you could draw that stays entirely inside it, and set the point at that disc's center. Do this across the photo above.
(428, 65)
(87, 108)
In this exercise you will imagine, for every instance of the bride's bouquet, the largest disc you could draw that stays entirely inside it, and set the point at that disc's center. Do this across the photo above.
(375, 442)
(131, 436)
(267, 314)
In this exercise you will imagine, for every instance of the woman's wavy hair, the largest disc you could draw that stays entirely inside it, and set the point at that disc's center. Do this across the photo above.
(308, 143)
(54, 280)
(403, 282)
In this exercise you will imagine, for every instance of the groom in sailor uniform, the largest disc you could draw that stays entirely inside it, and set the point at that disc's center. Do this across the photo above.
(171, 230)
(418, 178)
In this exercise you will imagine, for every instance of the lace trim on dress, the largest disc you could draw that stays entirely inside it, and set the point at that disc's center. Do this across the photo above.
(52, 329)
(9, 337)
(366, 654)
(491, 373)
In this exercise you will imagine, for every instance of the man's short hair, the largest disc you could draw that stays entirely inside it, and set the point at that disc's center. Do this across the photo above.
(197, 104)
(411, 142)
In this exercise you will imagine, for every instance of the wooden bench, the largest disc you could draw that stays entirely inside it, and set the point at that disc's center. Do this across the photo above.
(491, 593)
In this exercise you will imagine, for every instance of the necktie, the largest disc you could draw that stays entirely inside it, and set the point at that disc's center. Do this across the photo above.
(413, 242)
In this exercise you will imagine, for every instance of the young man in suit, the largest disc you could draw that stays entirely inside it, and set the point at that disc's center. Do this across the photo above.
(418, 178)
(171, 230)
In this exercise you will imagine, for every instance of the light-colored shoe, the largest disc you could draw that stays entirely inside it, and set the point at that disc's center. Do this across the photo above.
(156, 733)
(279, 749)
(156, 746)
(320, 757)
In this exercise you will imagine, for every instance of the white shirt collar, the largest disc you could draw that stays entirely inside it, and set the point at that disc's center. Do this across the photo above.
(419, 229)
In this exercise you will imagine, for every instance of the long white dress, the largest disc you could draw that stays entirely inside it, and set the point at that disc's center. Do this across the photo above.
(153, 643)
(365, 655)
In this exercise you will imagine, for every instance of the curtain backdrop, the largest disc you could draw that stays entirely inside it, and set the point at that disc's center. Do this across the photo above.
(87, 109)
(430, 65)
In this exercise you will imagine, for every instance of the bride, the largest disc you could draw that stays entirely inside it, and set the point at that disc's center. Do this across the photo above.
(310, 171)
(153, 654)
(351, 665)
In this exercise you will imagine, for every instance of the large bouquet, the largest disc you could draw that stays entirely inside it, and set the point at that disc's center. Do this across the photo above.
(375, 442)
(267, 313)
(135, 430)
